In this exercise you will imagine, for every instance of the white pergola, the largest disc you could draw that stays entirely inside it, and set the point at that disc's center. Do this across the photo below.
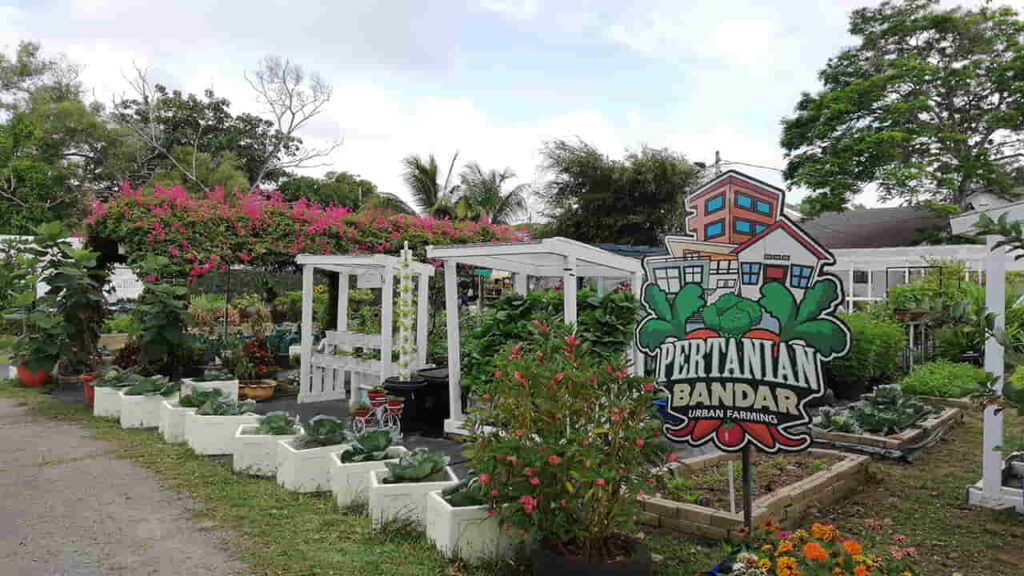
(322, 374)
(551, 257)
(990, 492)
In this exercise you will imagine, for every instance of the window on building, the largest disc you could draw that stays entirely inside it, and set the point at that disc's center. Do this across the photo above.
(724, 266)
(743, 227)
(693, 274)
(714, 229)
(668, 279)
(714, 204)
(758, 228)
(763, 207)
(726, 283)
(691, 255)
(800, 276)
(751, 272)
(744, 201)
(860, 276)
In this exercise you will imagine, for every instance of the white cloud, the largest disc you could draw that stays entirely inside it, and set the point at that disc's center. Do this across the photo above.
(516, 9)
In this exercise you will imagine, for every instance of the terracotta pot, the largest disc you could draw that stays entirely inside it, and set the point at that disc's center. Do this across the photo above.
(395, 407)
(377, 399)
(256, 389)
(88, 388)
(32, 379)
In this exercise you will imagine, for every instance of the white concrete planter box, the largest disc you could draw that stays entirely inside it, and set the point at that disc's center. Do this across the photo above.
(140, 411)
(304, 470)
(256, 454)
(172, 421)
(228, 388)
(214, 435)
(107, 402)
(406, 502)
(467, 533)
(349, 480)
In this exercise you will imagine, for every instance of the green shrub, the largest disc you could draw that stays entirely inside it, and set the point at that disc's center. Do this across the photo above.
(874, 358)
(121, 324)
(944, 379)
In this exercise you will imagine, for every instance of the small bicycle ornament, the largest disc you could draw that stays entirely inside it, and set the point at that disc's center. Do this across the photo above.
(383, 412)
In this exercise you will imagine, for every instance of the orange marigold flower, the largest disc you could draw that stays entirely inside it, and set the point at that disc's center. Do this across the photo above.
(852, 547)
(838, 572)
(785, 546)
(825, 532)
(814, 551)
(861, 570)
(787, 566)
(764, 564)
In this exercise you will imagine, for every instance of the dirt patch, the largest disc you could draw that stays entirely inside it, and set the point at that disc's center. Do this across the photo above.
(70, 508)
(710, 487)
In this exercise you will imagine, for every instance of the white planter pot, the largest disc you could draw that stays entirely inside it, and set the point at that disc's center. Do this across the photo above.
(349, 480)
(140, 411)
(228, 388)
(466, 533)
(304, 470)
(406, 502)
(107, 402)
(172, 421)
(213, 435)
(256, 454)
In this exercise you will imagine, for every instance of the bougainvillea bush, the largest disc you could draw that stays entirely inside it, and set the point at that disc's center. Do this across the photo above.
(569, 444)
(820, 551)
(203, 233)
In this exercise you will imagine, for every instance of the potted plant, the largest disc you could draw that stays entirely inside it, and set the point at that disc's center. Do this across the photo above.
(213, 379)
(88, 390)
(395, 405)
(302, 461)
(172, 412)
(36, 350)
(140, 402)
(107, 392)
(405, 383)
(400, 491)
(564, 441)
(256, 444)
(350, 469)
(377, 395)
(163, 314)
(249, 364)
(211, 428)
(362, 412)
(460, 524)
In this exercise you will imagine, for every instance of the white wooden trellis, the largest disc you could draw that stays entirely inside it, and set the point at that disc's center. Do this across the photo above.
(552, 258)
(323, 372)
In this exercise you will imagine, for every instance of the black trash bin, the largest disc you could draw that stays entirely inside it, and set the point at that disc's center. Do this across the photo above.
(411, 391)
(435, 404)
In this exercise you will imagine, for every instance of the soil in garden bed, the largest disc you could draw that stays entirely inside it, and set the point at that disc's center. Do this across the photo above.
(710, 487)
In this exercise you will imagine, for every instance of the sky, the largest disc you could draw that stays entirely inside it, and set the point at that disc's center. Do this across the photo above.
(490, 79)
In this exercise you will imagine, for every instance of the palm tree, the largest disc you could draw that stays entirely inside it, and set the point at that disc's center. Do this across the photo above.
(431, 196)
(483, 197)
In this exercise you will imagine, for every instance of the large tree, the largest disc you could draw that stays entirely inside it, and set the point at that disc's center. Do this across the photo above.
(928, 105)
(55, 149)
(484, 197)
(593, 198)
(342, 189)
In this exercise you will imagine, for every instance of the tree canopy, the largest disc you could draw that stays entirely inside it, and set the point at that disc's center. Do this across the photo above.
(342, 189)
(928, 105)
(596, 199)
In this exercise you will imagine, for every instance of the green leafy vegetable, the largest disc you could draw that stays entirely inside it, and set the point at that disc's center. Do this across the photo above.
(885, 411)
(420, 465)
(278, 423)
(732, 315)
(197, 398)
(369, 446)
(152, 386)
(221, 407)
(323, 431)
(467, 493)
(669, 321)
(802, 322)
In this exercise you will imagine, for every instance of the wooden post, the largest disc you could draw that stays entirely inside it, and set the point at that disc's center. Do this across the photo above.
(342, 301)
(305, 369)
(569, 289)
(451, 303)
(422, 317)
(748, 498)
(995, 303)
(387, 304)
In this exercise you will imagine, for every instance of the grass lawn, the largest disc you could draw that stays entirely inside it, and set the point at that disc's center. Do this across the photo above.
(278, 532)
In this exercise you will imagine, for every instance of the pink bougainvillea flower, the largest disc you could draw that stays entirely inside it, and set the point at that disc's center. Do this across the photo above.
(600, 482)
(534, 480)
(150, 278)
(553, 460)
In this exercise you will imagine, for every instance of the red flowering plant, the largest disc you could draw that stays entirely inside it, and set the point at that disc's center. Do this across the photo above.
(819, 551)
(563, 443)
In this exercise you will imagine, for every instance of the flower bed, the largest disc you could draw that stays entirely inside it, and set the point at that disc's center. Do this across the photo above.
(786, 504)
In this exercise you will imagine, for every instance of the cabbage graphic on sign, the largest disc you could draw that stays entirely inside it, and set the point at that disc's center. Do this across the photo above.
(740, 319)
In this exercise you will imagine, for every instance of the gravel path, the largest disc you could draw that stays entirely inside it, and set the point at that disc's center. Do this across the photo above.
(68, 509)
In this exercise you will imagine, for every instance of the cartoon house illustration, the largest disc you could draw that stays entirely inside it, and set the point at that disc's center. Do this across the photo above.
(738, 240)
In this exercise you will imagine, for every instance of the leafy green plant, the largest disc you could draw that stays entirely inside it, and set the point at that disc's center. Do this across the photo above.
(669, 320)
(944, 379)
(197, 398)
(731, 315)
(151, 386)
(278, 423)
(214, 376)
(420, 465)
(369, 446)
(323, 431)
(114, 378)
(885, 411)
(876, 349)
(121, 324)
(224, 407)
(467, 493)
(803, 321)
(163, 315)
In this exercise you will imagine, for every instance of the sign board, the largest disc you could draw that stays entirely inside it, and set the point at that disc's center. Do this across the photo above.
(369, 280)
(740, 320)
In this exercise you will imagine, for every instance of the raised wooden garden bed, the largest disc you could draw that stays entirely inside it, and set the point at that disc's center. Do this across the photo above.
(786, 487)
(901, 442)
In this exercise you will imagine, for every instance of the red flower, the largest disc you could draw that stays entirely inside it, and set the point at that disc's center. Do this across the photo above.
(484, 478)
(529, 503)
(534, 480)
(639, 442)
(553, 460)
(600, 482)
(151, 278)
(649, 386)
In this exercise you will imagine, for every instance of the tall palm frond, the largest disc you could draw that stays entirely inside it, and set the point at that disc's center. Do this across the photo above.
(485, 198)
(393, 202)
(429, 195)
